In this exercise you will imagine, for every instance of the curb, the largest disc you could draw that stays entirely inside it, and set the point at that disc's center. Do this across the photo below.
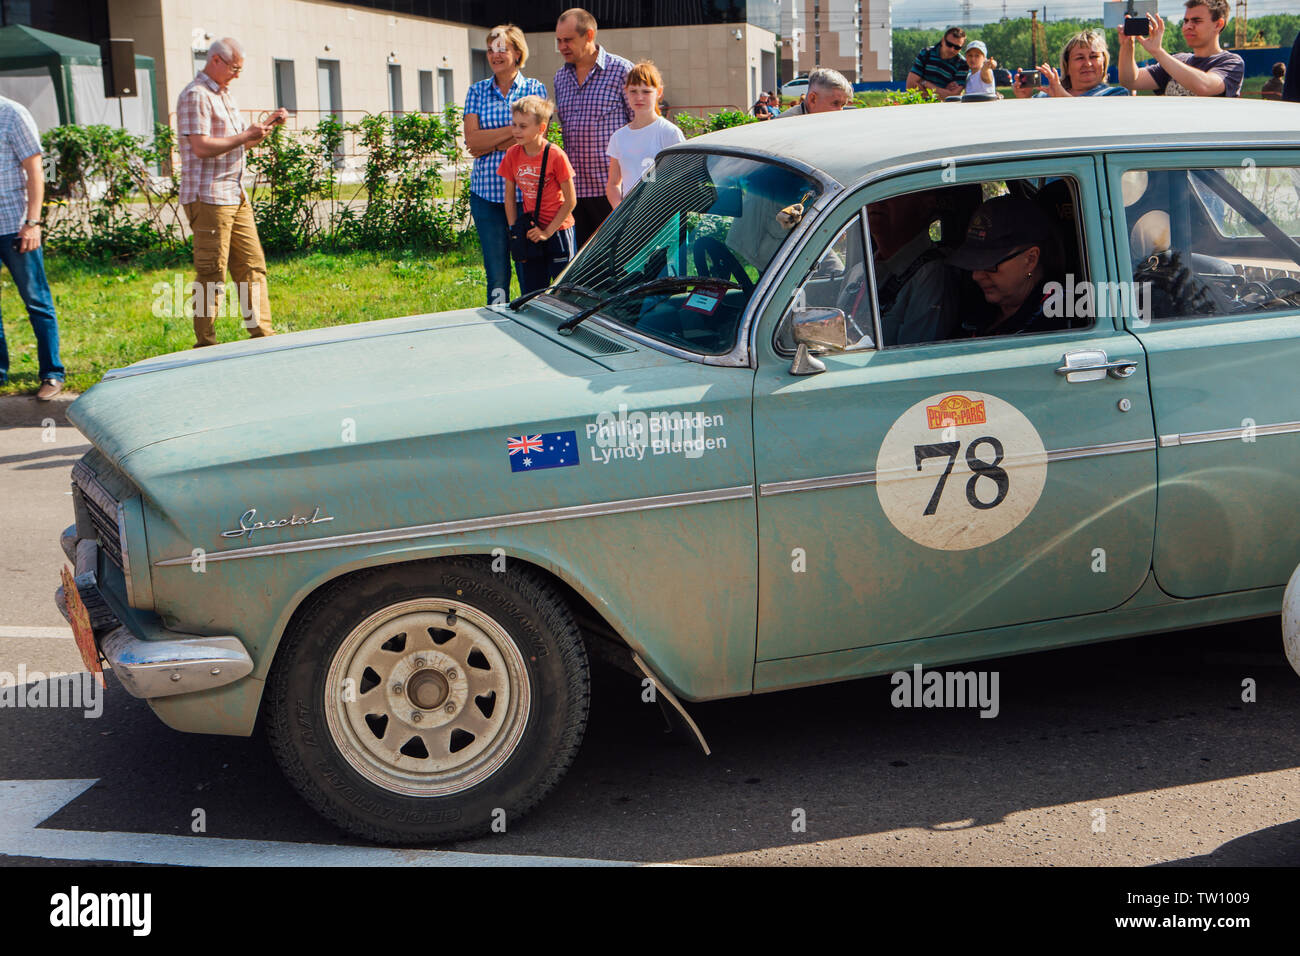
(19, 411)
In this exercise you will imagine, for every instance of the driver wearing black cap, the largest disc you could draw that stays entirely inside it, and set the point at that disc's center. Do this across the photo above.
(1012, 251)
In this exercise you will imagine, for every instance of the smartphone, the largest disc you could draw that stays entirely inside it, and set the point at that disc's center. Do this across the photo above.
(1137, 26)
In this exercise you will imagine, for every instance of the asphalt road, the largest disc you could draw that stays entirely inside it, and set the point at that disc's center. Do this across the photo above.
(1133, 752)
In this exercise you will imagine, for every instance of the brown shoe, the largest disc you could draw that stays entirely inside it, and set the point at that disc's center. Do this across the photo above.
(49, 388)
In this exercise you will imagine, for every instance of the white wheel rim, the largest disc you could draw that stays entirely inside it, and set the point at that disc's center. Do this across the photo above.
(427, 697)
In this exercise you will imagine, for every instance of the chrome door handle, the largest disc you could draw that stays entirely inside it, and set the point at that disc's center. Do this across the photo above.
(1090, 365)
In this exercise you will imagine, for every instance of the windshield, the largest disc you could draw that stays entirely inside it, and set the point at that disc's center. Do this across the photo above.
(698, 214)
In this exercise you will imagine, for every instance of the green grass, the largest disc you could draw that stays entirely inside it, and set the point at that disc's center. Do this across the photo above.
(108, 315)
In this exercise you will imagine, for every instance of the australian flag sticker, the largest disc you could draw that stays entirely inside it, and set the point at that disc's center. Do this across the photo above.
(548, 450)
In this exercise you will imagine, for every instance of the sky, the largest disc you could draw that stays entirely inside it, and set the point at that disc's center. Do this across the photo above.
(940, 13)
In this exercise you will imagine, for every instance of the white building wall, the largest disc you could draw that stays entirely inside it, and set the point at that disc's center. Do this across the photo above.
(361, 40)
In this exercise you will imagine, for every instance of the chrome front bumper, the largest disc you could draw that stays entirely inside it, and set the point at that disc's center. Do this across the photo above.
(165, 663)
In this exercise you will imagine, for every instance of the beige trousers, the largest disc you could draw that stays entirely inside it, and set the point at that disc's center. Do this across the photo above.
(227, 236)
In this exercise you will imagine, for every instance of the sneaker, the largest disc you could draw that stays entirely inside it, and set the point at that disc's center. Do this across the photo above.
(49, 388)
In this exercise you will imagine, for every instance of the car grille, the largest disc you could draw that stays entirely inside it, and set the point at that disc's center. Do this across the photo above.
(102, 509)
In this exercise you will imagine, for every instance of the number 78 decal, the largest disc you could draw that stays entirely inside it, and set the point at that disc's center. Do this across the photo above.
(978, 468)
(997, 458)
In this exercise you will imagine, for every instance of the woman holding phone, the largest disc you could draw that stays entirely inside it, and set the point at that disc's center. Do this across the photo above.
(1084, 62)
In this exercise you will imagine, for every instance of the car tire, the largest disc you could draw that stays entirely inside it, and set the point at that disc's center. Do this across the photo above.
(430, 701)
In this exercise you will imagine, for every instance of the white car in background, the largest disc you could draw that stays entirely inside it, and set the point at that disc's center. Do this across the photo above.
(796, 87)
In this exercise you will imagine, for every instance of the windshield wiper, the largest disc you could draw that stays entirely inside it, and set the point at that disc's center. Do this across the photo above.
(515, 303)
(664, 284)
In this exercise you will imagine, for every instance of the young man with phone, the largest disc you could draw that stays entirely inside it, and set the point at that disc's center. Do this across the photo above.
(1208, 70)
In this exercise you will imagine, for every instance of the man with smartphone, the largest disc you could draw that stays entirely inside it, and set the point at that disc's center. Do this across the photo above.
(1208, 70)
(212, 137)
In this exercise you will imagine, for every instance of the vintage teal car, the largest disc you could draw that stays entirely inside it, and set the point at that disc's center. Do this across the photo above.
(823, 399)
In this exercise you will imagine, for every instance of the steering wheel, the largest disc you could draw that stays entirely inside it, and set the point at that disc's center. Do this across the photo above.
(712, 258)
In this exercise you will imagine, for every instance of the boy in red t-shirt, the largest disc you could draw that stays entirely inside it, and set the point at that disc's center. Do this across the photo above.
(530, 116)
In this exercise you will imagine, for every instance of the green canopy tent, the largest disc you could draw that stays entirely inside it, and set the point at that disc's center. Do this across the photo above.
(61, 81)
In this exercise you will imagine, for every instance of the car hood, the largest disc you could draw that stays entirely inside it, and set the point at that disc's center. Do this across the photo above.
(409, 368)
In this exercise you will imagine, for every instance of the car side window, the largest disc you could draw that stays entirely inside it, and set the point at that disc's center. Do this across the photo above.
(837, 280)
(976, 260)
(1213, 241)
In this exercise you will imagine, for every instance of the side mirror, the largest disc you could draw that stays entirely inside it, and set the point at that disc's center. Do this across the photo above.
(817, 331)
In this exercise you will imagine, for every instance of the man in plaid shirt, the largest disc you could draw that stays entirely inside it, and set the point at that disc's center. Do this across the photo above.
(22, 191)
(591, 106)
(212, 137)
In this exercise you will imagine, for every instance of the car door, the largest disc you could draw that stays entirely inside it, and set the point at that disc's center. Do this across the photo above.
(1211, 237)
(949, 486)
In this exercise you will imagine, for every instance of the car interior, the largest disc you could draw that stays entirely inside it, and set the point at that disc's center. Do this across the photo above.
(705, 215)
(1202, 240)
(839, 277)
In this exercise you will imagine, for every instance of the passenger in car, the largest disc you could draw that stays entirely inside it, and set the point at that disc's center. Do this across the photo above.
(917, 292)
(1012, 251)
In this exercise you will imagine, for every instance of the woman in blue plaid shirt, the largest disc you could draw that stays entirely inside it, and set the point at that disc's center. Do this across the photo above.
(487, 135)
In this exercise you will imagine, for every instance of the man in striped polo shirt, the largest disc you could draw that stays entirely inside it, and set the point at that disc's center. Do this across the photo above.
(939, 67)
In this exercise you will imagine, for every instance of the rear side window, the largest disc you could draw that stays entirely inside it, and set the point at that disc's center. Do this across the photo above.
(1214, 241)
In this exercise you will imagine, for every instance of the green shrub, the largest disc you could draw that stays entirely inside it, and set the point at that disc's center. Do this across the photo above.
(695, 126)
(103, 195)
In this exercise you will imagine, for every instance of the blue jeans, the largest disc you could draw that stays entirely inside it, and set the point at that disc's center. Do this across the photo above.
(539, 273)
(28, 270)
(494, 238)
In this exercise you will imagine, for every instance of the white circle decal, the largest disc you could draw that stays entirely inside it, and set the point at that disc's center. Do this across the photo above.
(959, 470)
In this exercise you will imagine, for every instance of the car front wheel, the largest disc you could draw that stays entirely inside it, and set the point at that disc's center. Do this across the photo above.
(429, 701)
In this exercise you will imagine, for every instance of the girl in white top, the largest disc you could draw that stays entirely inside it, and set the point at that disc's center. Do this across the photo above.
(633, 148)
(980, 66)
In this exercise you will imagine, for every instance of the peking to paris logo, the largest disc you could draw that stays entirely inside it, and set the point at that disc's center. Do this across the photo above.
(955, 410)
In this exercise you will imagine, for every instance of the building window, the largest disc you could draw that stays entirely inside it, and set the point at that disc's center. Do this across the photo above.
(478, 66)
(286, 90)
(329, 87)
(446, 94)
(200, 60)
(394, 88)
(426, 91)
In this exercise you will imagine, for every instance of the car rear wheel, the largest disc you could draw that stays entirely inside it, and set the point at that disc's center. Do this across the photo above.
(430, 701)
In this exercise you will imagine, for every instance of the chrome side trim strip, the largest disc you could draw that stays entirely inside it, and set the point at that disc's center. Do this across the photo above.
(1228, 434)
(189, 359)
(1110, 448)
(487, 523)
(870, 477)
(816, 484)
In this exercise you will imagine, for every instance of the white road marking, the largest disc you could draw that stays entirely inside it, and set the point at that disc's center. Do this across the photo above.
(25, 633)
(25, 804)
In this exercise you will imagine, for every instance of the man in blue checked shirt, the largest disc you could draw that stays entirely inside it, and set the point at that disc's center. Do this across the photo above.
(487, 136)
(591, 106)
(22, 190)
